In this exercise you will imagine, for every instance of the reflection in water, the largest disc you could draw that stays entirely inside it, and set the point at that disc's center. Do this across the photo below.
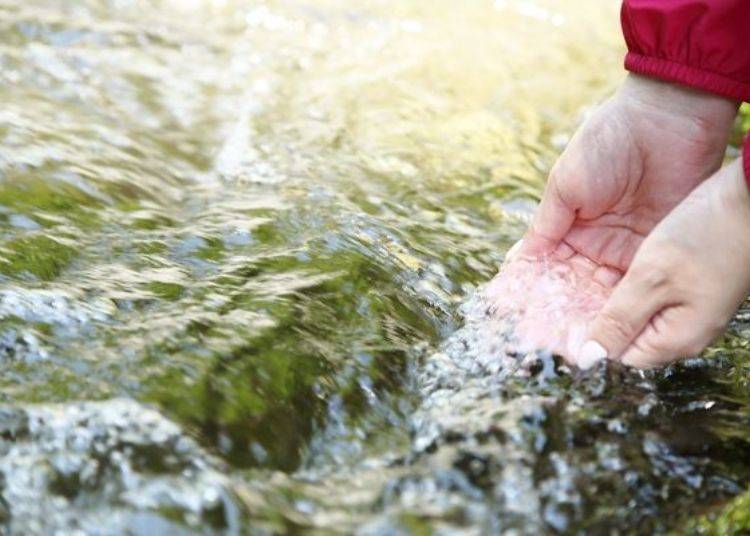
(262, 217)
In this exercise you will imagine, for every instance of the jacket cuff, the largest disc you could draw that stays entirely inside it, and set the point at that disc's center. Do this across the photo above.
(688, 76)
(746, 159)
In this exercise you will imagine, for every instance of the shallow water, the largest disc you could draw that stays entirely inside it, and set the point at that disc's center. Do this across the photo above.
(266, 221)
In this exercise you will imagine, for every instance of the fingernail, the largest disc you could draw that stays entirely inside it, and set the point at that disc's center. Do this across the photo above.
(513, 251)
(590, 353)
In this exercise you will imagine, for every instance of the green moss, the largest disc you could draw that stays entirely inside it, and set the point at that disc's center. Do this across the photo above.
(45, 381)
(167, 291)
(151, 247)
(128, 205)
(250, 389)
(36, 197)
(741, 125)
(39, 255)
(151, 222)
(732, 519)
(261, 392)
(212, 251)
(744, 118)
(416, 526)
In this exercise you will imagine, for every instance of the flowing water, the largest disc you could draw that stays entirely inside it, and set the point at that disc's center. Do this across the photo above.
(240, 243)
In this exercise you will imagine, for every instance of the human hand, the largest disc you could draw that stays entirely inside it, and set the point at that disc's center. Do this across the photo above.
(635, 159)
(686, 281)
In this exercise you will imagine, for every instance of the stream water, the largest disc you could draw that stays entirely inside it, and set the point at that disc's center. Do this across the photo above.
(240, 247)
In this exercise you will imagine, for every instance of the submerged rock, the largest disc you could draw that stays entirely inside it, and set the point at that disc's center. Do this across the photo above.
(21, 345)
(109, 467)
(518, 443)
(54, 308)
(505, 440)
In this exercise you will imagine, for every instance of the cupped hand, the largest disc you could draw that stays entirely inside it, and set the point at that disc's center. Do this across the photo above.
(635, 159)
(686, 281)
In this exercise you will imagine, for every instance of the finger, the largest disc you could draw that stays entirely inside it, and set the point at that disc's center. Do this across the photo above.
(607, 276)
(552, 220)
(639, 295)
(649, 351)
(665, 339)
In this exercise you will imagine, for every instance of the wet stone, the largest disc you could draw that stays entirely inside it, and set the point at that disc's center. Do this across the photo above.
(108, 467)
(19, 345)
(500, 443)
(54, 308)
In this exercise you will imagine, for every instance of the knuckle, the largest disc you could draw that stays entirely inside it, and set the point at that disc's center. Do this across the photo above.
(653, 275)
(615, 326)
(662, 352)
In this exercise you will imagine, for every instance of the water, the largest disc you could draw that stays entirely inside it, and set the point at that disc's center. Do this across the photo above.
(238, 238)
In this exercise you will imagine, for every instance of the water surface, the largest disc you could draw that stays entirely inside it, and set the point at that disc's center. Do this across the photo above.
(261, 219)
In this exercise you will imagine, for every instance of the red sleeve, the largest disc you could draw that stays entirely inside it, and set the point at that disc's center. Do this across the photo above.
(704, 44)
(700, 43)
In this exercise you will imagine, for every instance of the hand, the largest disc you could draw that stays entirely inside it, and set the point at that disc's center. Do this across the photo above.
(635, 159)
(686, 281)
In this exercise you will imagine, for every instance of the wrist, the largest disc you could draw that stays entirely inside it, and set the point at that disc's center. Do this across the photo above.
(709, 113)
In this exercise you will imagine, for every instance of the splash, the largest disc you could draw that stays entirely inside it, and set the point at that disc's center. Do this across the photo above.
(549, 304)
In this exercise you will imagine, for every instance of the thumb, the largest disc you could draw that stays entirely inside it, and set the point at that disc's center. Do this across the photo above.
(662, 340)
(552, 221)
(640, 295)
(665, 339)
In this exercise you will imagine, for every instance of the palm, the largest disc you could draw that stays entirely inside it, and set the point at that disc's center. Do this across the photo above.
(621, 175)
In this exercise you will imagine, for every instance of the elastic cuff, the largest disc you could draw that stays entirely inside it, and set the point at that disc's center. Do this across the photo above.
(746, 159)
(689, 76)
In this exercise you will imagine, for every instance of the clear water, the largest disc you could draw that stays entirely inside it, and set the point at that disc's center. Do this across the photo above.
(261, 220)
